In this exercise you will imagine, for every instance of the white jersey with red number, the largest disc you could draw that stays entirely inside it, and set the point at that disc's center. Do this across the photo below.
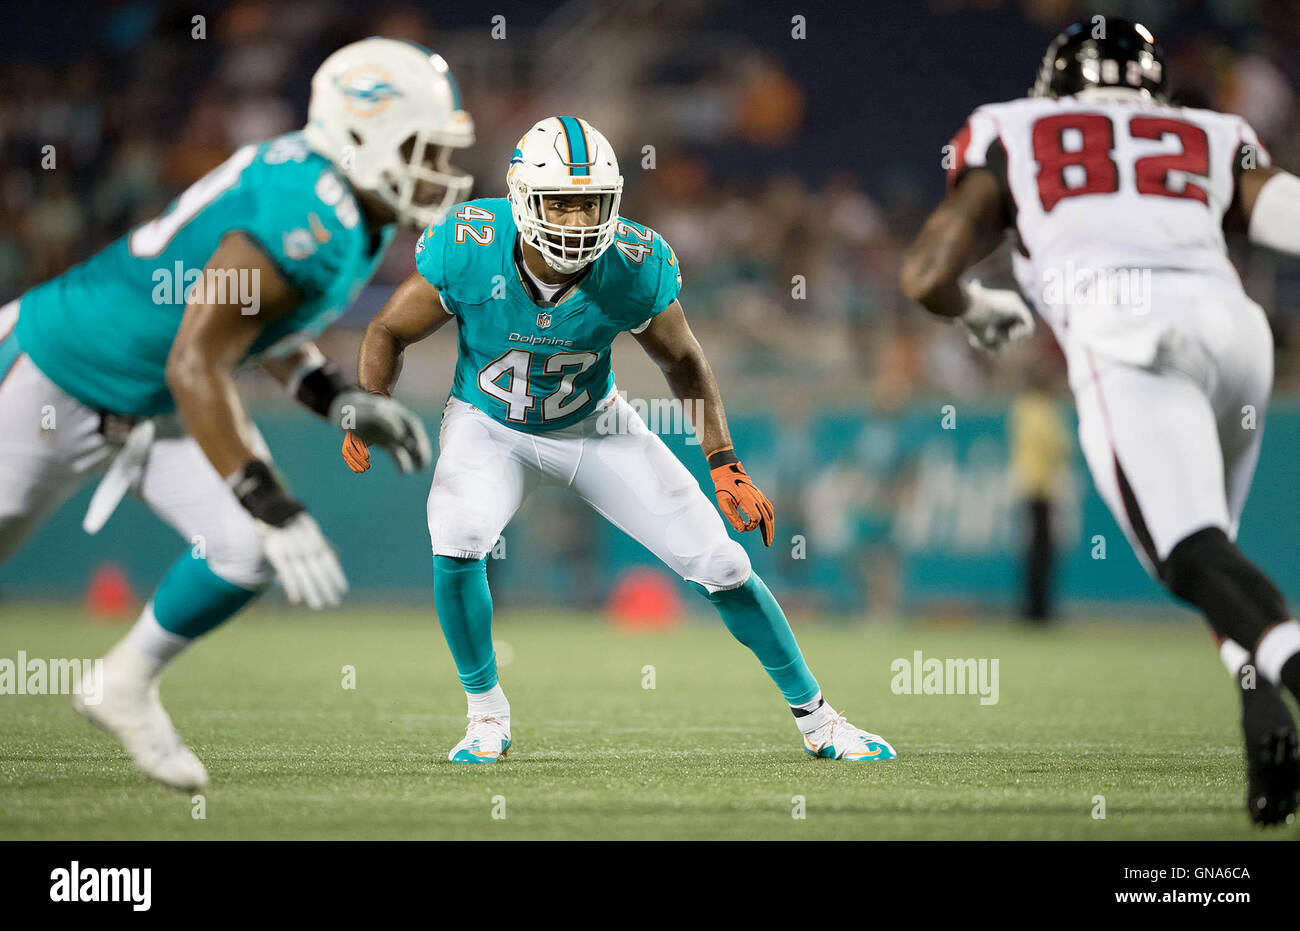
(1118, 203)
(1108, 193)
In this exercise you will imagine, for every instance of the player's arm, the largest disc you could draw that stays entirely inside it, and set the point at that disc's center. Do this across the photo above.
(291, 370)
(1267, 207)
(413, 313)
(283, 368)
(309, 377)
(669, 341)
(319, 385)
(212, 340)
(964, 229)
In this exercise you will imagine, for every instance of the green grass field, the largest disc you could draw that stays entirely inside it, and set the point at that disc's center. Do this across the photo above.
(1141, 714)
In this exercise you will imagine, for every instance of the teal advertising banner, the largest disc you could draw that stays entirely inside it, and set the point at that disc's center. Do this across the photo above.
(882, 512)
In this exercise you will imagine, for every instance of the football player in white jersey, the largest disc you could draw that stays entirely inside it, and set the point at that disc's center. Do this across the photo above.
(1118, 202)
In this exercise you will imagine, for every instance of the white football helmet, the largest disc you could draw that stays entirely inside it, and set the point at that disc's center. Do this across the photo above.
(564, 155)
(387, 113)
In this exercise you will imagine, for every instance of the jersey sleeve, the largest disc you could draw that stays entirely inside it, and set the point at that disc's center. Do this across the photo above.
(431, 255)
(466, 255)
(1251, 153)
(657, 286)
(972, 146)
(431, 261)
(308, 221)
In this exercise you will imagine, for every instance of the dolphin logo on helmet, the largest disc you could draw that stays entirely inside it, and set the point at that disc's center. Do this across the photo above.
(367, 90)
(388, 114)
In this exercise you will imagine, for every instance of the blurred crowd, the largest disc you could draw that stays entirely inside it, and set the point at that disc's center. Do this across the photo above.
(785, 188)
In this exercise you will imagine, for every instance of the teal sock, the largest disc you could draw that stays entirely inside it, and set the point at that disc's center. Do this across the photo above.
(756, 620)
(192, 599)
(464, 605)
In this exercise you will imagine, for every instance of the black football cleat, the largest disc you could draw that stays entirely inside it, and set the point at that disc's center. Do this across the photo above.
(1273, 776)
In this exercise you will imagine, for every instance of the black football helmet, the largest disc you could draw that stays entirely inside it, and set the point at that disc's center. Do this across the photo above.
(1105, 52)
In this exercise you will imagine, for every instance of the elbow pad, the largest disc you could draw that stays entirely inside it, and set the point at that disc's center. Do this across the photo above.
(1275, 218)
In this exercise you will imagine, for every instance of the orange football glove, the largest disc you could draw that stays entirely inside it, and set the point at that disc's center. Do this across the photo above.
(736, 492)
(356, 453)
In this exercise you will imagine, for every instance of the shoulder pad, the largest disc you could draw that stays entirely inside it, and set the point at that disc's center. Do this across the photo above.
(640, 275)
(305, 214)
(461, 255)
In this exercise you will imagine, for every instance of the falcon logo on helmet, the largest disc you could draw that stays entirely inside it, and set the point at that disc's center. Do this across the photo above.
(388, 114)
(564, 156)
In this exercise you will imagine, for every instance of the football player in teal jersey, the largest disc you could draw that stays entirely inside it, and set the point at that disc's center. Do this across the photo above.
(131, 357)
(539, 284)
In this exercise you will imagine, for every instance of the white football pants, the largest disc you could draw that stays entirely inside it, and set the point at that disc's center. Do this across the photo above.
(1172, 446)
(485, 469)
(50, 444)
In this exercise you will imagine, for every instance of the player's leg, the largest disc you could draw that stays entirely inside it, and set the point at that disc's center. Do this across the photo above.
(223, 567)
(1243, 386)
(634, 481)
(49, 442)
(1152, 444)
(1272, 745)
(1206, 568)
(479, 482)
(220, 571)
(1272, 742)
(1240, 436)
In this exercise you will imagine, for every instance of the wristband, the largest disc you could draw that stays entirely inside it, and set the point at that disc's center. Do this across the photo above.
(317, 384)
(720, 457)
(262, 495)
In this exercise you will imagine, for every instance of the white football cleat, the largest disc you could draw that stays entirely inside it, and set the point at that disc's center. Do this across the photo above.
(837, 739)
(486, 740)
(131, 711)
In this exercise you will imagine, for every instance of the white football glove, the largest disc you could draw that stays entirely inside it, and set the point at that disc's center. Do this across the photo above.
(381, 421)
(304, 561)
(995, 317)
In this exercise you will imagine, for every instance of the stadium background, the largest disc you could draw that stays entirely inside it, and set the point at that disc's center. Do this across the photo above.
(773, 158)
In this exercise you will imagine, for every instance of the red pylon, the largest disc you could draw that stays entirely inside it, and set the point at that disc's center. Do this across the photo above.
(644, 599)
(109, 596)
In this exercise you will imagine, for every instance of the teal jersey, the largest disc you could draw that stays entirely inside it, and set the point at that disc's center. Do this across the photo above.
(102, 330)
(533, 364)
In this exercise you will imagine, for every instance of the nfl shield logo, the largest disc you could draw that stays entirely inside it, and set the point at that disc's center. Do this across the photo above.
(543, 321)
